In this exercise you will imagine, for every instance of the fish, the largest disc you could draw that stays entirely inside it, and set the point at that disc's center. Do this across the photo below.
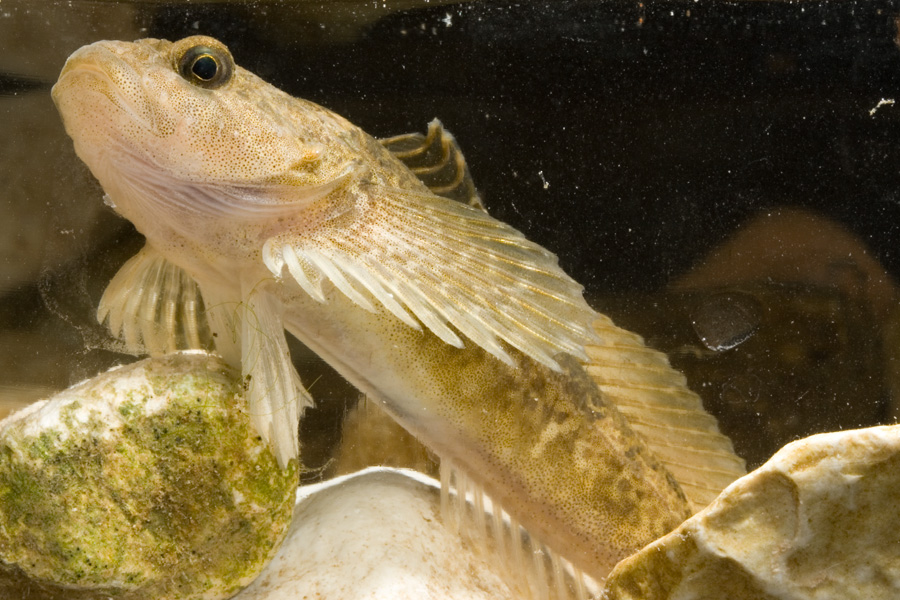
(265, 213)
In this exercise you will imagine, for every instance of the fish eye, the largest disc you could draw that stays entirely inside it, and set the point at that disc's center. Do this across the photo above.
(205, 67)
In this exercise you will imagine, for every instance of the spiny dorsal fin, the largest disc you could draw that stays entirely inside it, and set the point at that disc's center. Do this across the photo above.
(435, 158)
(657, 403)
(154, 307)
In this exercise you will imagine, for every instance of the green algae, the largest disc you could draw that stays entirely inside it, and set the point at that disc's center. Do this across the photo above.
(181, 500)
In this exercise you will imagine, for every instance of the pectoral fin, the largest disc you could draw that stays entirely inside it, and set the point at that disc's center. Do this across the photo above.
(450, 267)
(657, 403)
(154, 306)
(277, 398)
(435, 158)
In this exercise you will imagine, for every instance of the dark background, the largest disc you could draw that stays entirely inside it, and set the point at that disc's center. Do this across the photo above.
(659, 127)
(633, 138)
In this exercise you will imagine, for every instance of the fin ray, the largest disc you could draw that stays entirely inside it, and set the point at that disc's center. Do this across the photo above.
(436, 159)
(154, 306)
(654, 398)
(452, 267)
(531, 568)
(277, 398)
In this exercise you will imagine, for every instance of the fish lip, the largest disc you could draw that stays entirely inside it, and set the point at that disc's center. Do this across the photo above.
(69, 71)
(84, 63)
(84, 60)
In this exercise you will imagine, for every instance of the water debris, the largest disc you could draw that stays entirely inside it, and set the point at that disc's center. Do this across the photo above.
(882, 102)
(725, 320)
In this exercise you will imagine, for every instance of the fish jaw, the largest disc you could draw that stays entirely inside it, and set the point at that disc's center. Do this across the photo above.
(101, 98)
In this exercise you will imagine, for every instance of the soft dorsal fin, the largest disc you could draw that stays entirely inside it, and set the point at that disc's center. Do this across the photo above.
(439, 263)
(657, 403)
(154, 306)
(435, 158)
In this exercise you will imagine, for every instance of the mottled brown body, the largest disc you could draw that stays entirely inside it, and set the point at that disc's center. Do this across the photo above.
(545, 445)
(576, 472)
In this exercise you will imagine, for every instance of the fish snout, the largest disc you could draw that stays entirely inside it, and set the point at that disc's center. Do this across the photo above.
(97, 60)
(100, 85)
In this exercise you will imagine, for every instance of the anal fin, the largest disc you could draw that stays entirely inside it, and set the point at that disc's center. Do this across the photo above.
(658, 405)
(532, 569)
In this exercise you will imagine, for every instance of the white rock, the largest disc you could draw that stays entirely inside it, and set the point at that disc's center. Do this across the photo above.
(375, 535)
(818, 521)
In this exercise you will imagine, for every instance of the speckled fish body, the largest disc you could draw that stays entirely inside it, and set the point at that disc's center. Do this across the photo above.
(275, 213)
(544, 444)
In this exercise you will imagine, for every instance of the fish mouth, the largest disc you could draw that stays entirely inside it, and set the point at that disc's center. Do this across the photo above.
(80, 64)
(95, 72)
(85, 64)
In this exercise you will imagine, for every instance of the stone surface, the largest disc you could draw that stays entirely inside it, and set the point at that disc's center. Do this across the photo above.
(147, 481)
(819, 520)
(375, 535)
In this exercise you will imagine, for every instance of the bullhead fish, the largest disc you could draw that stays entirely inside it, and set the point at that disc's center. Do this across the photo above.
(264, 213)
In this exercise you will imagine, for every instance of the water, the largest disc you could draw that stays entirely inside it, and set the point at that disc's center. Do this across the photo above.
(637, 142)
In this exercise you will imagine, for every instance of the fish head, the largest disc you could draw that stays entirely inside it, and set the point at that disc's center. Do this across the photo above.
(175, 130)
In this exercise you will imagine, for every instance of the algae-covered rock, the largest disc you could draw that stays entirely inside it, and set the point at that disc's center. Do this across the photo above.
(147, 481)
(819, 520)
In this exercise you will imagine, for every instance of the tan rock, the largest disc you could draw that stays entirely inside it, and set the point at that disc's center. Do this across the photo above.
(818, 521)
